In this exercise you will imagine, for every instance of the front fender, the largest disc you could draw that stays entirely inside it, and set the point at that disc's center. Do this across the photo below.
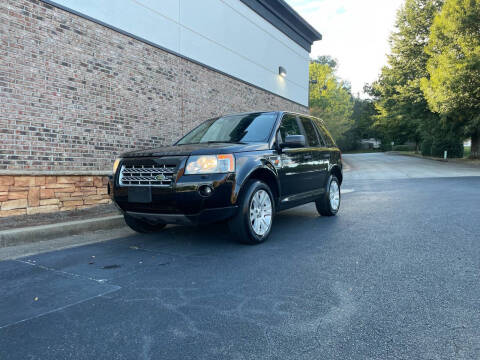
(247, 164)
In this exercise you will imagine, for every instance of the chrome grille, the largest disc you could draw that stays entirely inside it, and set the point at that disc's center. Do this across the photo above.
(147, 175)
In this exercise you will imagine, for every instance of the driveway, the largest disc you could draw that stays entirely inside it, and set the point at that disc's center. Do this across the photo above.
(395, 275)
(392, 166)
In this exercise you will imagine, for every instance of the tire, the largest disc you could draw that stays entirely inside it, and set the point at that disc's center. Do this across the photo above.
(142, 226)
(329, 203)
(253, 222)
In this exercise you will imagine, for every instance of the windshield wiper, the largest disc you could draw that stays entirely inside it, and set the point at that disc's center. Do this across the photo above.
(216, 142)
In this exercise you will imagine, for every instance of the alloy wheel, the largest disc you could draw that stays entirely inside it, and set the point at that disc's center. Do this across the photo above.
(260, 212)
(334, 195)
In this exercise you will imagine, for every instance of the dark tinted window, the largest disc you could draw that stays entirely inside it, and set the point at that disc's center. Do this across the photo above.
(328, 137)
(254, 127)
(289, 126)
(311, 133)
(325, 134)
(321, 137)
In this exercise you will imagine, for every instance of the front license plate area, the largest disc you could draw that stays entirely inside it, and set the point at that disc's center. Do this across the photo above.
(141, 194)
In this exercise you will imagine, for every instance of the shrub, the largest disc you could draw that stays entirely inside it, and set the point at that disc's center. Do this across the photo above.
(386, 146)
(426, 147)
(453, 145)
(436, 145)
(405, 147)
(347, 142)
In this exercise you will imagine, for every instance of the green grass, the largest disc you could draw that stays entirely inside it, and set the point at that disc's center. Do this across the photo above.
(466, 151)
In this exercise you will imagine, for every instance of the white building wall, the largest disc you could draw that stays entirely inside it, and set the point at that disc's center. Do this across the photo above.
(223, 34)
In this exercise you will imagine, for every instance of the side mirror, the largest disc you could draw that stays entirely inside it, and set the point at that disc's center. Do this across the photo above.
(293, 141)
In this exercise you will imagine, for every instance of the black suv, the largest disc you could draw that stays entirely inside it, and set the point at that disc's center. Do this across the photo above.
(242, 168)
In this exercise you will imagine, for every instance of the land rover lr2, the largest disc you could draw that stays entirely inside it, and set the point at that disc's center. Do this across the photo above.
(240, 168)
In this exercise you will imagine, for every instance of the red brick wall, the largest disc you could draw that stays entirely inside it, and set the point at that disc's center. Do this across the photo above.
(73, 94)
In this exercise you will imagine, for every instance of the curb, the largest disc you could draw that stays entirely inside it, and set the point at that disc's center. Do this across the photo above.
(47, 232)
(418, 156)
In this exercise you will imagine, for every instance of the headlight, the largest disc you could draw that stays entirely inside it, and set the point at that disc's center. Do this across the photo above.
(115, 165)
(210, 164)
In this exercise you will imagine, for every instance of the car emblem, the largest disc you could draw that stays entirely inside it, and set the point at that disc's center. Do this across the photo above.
(160, 177)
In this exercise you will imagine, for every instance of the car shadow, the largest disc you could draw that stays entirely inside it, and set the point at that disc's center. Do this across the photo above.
(294, 223)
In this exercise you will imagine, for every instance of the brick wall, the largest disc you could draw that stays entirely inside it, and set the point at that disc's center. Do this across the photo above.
(74, 94)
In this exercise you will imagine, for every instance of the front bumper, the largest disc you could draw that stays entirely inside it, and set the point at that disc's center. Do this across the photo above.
(181, 203)
(203, 217)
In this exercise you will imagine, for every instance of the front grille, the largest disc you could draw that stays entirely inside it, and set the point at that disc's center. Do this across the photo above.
(147, 175)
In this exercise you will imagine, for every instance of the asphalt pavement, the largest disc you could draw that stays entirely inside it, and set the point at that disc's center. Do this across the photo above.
(395, 275)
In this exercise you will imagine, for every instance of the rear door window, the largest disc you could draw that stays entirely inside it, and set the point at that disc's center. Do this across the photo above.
(310, 132)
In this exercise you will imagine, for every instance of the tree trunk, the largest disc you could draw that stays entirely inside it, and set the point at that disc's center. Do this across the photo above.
(475, 149)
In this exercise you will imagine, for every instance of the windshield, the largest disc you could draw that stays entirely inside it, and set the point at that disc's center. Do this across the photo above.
(243, 128)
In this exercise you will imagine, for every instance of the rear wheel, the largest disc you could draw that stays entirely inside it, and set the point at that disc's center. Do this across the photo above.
(142, 226)
(253, 222)
(329, 203)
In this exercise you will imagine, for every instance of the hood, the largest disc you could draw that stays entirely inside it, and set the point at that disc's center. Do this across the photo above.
(196, 149)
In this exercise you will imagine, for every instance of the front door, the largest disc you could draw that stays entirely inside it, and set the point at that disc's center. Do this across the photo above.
(293, 172)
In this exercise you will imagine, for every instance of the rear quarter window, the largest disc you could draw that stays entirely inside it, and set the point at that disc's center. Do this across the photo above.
(325, 134)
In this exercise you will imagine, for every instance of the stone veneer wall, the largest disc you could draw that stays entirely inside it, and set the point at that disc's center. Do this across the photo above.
(20, 195)
(74, 94)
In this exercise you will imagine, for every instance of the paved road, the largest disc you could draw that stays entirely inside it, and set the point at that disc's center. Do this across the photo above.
(391, 166)
(395, 275)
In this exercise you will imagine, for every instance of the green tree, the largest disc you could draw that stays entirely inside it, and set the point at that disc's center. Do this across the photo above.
(330, 98)
(363, 116)
(326, 60)
(399, 100)
(452, 85)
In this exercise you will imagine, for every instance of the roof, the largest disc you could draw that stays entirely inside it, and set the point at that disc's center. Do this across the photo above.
(284, 18)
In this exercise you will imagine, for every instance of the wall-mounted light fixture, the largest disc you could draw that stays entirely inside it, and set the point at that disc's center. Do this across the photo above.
(281, 71)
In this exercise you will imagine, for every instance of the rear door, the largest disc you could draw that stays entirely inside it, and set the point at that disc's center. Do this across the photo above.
(293, 172)
(318, 155)
(331, 152)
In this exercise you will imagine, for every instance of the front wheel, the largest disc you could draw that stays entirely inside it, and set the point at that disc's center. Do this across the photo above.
(329, 203)
(253, 222)
(142, 226)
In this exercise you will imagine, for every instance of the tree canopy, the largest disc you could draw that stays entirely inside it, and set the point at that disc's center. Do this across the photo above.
(429, 91)
(330, 98)
(452, 85)
(400, 102)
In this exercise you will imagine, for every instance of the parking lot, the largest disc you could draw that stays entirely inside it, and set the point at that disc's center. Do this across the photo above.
(395, 275)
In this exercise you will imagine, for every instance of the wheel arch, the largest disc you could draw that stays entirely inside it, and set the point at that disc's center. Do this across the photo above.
(338, 173)
(267, 175)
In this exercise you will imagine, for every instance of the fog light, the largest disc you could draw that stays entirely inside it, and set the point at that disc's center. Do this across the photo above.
(205, 190)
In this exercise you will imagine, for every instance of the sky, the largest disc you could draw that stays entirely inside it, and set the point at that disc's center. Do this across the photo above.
(355, 32)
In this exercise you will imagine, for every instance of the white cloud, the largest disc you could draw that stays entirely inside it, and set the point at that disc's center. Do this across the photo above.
(354, 32)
